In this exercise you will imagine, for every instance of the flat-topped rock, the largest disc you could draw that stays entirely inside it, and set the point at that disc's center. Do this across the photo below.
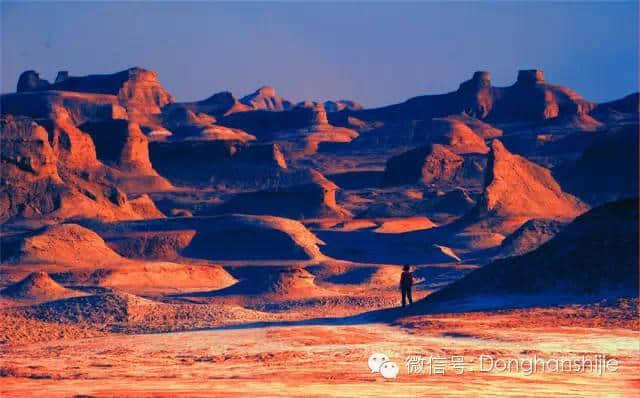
(31, 81)
(136, 89)
(530, 76)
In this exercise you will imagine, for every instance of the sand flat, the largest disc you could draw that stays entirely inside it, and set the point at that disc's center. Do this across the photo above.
(322, 360)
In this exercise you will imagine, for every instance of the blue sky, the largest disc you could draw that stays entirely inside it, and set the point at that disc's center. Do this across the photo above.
(378, 53)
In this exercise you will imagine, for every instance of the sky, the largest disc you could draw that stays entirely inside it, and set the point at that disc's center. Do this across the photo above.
(378, 53)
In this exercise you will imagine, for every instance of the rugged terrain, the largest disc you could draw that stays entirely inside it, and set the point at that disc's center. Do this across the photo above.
(178, 247)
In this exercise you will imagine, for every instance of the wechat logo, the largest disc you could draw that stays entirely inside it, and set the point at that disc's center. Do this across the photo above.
(380, 363)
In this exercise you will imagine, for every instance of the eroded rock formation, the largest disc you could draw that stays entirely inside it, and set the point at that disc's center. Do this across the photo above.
(313, 199)
(186, 125)
(518, 189)
(337, 106)
(57, 182)
(212, 162)
(426, 165)
(265, 98)
(530, 98)
(456, 135)
(305, 127)
(136, 89)
(217, 105)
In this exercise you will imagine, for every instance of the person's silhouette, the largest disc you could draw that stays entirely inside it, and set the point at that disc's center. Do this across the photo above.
(406, 282)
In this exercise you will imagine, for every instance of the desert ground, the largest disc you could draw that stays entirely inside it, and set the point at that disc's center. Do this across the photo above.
(327, 357)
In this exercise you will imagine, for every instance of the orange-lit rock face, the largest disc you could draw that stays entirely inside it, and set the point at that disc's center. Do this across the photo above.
(319, 115)
(142, 87)
(38, 286)
(72, 146)
(29, 165)
(136, 89)
(313, 197)
(144, 206)
(58, 181)
(142, 95)
(457, 136)
(440, 165)
(516, 186)
(305, 127)
(60, 112)
(120, 143)
(185, 124)
(426, 165)
(551, 108)
(25, 145)
(135, 153)
(80, 107)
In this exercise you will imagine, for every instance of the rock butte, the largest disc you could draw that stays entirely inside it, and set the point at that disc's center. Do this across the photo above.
(136, 89)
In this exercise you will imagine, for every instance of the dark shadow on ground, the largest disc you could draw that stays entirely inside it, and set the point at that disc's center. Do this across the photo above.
(377, 316)
(423, 307)
(365, 246)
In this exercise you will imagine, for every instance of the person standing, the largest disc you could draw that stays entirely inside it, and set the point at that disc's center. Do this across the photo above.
(406, 283)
